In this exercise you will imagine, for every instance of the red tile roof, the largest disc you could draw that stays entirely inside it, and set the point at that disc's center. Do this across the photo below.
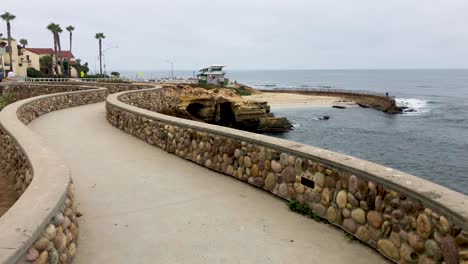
(47, 51)
(40, 51)
(66, 54)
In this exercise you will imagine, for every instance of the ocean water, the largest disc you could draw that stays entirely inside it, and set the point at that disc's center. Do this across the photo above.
(431, 142)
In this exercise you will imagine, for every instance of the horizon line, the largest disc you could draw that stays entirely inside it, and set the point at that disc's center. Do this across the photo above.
(293, 69)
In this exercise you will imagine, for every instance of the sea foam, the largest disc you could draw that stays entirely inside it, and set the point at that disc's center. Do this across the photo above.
(414, 106)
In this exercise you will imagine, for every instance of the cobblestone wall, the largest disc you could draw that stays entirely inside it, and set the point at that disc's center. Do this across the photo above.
(14, 164)
(58, 241)
(54, 240)
(407, 219)
(33, 110)
(22, 91)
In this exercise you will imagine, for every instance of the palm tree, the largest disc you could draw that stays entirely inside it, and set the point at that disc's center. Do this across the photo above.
(71, 29)
(59, 46)
(100, 36)
(7, 17)
(24, 42)
(54, 28)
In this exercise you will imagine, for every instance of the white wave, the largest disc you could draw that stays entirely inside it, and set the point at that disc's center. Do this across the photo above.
(414, 106)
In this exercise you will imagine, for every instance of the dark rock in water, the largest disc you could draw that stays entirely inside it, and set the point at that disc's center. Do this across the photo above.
(405, 109)
(339, 106)
(363, 106)
(273, 124)
(323, 118)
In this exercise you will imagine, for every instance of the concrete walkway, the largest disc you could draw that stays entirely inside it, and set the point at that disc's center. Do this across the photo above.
(142, 205)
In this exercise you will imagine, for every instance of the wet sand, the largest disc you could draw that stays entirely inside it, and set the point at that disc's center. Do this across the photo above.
(299, 100)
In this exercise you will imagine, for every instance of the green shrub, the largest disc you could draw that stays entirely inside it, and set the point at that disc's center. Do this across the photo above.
(303, 209)
(348, 236)
(205, 86)
(5, 100)
(241, 91)
(33, 73)
(97, 76)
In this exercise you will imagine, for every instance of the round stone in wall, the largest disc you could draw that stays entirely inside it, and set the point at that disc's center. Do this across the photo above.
(276, 166)
(331, 213)
(341, 199)
(284, 159)
(353, 184)
(32, 255)
(407, 254)
(325, 199)
(319, 179)
(254, 170)
(270, 181)
(424, 226)
(389, 249)
(298, 166)
(359, 215)
(346, 213)
(283, 190)
(363, 233)
(319, 210)
(416, 242)
(433, 250)
(289, 174)
(374, 218)
(350, 225)
(449, 250)
(237, 153)
(248, 162)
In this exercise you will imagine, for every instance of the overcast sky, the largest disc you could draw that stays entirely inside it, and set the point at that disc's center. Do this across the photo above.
(254, 34)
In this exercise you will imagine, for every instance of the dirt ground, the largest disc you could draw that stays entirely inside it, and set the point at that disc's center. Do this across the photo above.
(7, 195)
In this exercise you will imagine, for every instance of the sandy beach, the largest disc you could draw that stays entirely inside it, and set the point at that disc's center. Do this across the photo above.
(299, 100)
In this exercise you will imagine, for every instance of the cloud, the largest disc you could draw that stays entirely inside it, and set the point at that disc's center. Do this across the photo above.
(255, 34)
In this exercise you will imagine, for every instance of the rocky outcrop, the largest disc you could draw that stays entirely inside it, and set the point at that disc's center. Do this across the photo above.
(216, 106)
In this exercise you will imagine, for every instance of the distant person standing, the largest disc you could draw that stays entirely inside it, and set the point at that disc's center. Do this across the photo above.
(11, 75)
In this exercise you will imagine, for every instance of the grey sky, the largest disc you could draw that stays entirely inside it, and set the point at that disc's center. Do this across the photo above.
(254, 34)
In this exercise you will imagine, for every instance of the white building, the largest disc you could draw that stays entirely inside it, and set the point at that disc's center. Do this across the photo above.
(213, 75)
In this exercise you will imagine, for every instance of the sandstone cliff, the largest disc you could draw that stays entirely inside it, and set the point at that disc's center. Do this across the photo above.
(221, 107)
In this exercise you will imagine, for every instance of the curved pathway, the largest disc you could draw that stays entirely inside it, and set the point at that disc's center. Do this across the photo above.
(143, 205)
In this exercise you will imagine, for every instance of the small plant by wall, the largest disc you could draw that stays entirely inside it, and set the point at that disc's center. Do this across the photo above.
(6, 100)
(303, 209)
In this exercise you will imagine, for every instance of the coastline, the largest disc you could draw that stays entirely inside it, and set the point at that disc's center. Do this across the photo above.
(291, 100)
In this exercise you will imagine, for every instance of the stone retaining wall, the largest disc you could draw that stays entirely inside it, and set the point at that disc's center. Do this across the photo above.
(111, 87)
(405, 218)
(22, 91)
(42, 226)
